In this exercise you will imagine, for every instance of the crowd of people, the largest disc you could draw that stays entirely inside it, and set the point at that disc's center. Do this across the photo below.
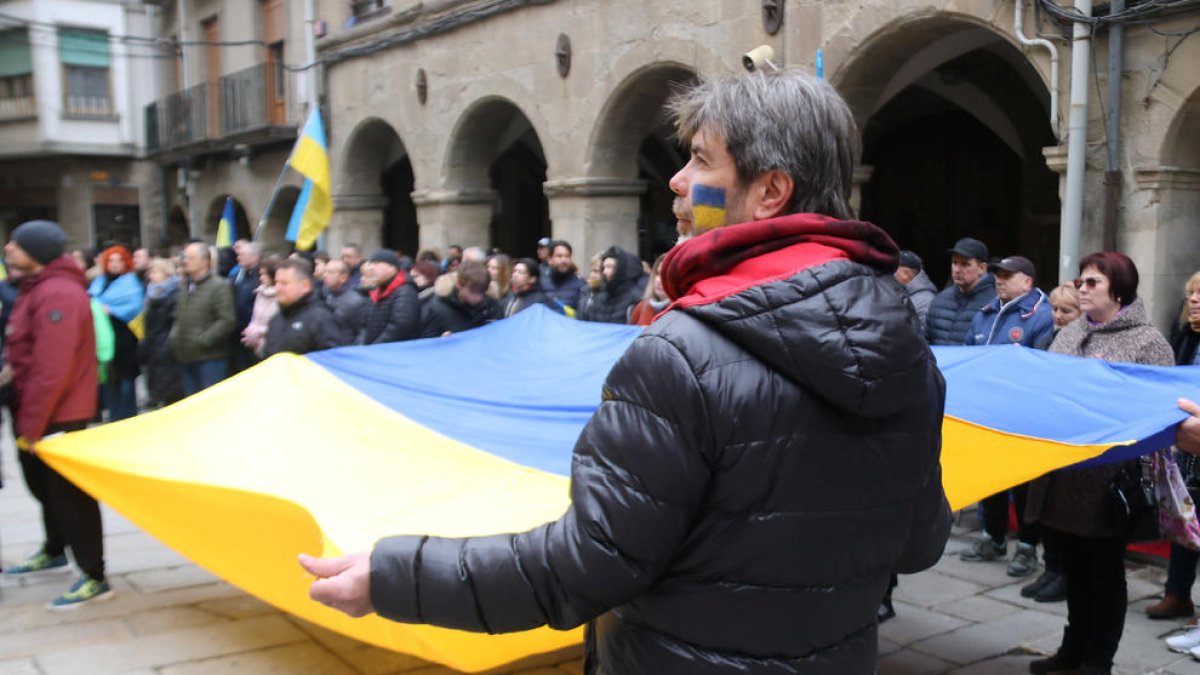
(1068, 512)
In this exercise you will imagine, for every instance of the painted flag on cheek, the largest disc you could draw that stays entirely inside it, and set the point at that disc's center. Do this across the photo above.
(708, 207)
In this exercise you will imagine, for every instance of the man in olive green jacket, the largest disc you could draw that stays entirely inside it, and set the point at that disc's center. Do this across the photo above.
(200, 339)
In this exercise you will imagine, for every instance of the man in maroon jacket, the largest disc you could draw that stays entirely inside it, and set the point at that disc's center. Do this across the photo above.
(52, 351)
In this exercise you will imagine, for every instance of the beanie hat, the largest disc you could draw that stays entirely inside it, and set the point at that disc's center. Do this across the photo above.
(43, 240)
(386, 256)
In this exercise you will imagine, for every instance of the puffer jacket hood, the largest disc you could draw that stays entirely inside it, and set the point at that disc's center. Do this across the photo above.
(847, 340)
(628, 272)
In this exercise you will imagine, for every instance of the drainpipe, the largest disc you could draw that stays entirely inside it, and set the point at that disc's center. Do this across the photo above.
(183, 17)
(1112, 172)
(1072, 213)
(310, 53)
(1018, 25)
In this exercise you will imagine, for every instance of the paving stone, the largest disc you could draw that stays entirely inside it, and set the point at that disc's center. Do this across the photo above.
(986, 574)
(304, 657)
(1185, 665)
(154, 621)
(1142, 648)
(1012, 595)
(152, 581)
(908, 662)
(988, 639)
(912, 624)
(181, 646)
(931, 588)
(886, 646)
(365, 658)
(1001, 665)
(32, 641)
(18, 667)
(238, 607)
(976, 608)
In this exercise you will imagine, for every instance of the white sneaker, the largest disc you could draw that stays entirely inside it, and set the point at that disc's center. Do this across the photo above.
(1194, 651)
(1184, 644)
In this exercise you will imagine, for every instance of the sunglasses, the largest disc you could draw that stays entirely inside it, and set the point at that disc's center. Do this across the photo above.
(1090, 282)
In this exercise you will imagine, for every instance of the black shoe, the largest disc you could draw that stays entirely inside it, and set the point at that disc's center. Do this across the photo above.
(1030, 590)
(1054, 665)
(1054, 591)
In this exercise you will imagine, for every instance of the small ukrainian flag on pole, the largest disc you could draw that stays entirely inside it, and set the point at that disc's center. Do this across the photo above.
(708, 207)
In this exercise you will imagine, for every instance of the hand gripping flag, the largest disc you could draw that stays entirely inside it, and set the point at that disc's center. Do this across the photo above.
(313, 208)
(359, 443)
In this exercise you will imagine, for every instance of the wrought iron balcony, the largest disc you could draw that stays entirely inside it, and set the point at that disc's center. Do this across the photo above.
(243, 107)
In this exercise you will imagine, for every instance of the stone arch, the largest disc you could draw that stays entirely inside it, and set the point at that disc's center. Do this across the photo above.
(177, 230)
(954, 119)
(632, 142)
(374, 188)
(496, 166)
(212, 218)
(1174, 190)
(275, 226)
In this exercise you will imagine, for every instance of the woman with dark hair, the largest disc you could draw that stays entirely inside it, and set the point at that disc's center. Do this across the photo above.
(1072, 505)
(654, 300)
(118, 289)
(265, 307)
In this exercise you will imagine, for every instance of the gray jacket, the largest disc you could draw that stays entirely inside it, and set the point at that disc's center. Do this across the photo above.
(349, 309)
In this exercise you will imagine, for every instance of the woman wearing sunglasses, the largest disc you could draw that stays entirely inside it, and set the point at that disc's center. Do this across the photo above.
(1072, 504)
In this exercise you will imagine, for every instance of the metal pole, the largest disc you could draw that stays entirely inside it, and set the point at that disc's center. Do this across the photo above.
(262, 222)
(1072, 217)
(1112, 173)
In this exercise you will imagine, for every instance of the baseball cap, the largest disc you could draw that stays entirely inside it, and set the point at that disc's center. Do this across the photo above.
(1016, 263)
(543, 242)
(970, 248)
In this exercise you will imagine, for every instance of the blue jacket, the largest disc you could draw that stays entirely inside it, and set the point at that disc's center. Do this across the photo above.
(1024, 321)
(951, 312)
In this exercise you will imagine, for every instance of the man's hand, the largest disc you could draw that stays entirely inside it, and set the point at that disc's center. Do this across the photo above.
(1187, 434)
(342, 583)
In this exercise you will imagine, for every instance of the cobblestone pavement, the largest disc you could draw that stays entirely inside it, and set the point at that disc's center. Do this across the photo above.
(170, 617)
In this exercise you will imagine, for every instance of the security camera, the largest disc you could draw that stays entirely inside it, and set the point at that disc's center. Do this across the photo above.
(756, 58)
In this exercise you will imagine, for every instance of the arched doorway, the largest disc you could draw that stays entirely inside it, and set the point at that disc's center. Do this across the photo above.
(378, 175)
(274, 231)
(634, 139)
(1177, 179)
(177, 229)
(242, 228)
(954, 120)
(496, 148)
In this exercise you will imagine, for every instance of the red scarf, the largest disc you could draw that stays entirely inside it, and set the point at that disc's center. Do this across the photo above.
(728, 260)
(378, 294)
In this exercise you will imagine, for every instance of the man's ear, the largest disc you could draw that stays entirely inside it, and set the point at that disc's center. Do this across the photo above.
(774, 192)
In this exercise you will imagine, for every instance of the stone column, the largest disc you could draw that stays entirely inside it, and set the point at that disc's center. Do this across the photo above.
(454, 217)
(1159, 232)
(595, 213)
(357, 219)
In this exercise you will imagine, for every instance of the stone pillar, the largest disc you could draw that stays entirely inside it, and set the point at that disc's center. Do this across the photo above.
(862, 176)
(595, 213)
(1158, 230)
(454, 217)
(357, 219)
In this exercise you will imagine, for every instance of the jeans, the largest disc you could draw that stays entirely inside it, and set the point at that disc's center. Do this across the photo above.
(199, 375)
(1181, 571)
(995, 516)
(121, 399)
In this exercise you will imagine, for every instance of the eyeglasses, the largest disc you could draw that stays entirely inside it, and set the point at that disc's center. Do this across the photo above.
(1090, 282)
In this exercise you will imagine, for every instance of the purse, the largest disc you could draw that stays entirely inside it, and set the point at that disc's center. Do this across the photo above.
(1176, 506)
(1134, 514)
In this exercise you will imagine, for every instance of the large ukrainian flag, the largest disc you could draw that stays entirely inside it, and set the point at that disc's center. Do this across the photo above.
(472, 435)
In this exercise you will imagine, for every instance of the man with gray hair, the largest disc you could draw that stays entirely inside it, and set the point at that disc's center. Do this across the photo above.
(766, 453)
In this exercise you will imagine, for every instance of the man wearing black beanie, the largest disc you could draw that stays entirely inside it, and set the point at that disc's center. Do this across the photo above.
(52, 351)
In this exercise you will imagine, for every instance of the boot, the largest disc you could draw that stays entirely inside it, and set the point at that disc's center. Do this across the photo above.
(1170, 607)
(1054, 665)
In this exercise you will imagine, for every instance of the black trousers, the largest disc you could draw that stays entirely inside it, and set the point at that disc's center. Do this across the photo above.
(1096, 597)
(70, 516)
(995, 516)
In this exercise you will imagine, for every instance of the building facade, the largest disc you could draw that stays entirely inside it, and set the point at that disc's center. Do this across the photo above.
(495, 122)
(74, 77)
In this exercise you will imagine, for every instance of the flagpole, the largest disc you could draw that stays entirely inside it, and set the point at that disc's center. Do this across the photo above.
(262, 222)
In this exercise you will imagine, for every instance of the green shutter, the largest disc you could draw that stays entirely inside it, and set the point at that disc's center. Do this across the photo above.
(83, 48)
(14, 53)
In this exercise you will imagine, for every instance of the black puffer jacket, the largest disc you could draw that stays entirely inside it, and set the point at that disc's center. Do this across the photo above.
(447, 314)
(763, 459)
(302, 327)
(951, 312)
(394, 314)
(617, 298)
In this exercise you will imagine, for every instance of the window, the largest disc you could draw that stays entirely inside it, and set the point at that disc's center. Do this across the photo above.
(16, 76)
(85, 62)
(361, 10)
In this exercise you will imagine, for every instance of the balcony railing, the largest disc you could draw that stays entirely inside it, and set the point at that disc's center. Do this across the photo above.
(18, 107)
(239, 103)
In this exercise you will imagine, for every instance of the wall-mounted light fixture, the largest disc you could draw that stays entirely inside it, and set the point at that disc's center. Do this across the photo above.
(422, 86)
(562, 54)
